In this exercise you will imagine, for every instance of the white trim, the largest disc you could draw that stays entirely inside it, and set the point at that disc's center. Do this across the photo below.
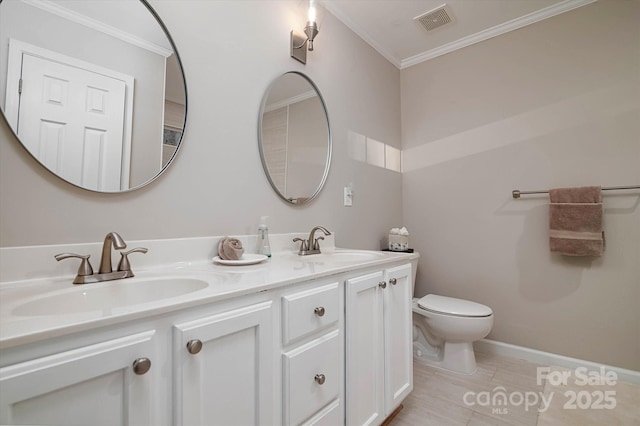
(94, 24)
(292, 100)
(497, 30)
(18, 48)
(337, 12)
(494, 347)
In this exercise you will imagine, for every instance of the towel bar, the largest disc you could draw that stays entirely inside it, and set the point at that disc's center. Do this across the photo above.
(516, 193)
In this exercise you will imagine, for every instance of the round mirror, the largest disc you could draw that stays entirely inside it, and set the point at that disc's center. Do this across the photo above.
(94, 90)
(295, 138)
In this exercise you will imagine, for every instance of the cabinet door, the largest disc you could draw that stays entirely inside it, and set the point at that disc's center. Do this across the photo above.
(365, 350)
(224, 368)
(92, 385)
(398, 335)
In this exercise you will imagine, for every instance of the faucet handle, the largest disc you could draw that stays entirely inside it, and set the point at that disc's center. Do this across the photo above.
(304, 243)
(124, 264)
(85, 266)
(316, 245)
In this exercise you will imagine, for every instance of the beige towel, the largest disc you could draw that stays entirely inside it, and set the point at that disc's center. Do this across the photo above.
(575, 221)
(230, 249)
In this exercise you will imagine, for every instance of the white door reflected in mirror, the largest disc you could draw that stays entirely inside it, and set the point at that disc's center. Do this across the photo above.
(71, 117)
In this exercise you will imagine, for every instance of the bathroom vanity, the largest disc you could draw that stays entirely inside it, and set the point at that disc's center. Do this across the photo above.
(321, 339)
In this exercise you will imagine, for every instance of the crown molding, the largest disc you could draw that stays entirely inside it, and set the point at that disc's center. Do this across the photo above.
(500, 29)
(290, 101)
(514, 24)
(335, 11)
(497, 30)
(94, 24)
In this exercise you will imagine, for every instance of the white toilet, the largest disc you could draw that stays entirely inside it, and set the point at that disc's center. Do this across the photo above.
(444, 329)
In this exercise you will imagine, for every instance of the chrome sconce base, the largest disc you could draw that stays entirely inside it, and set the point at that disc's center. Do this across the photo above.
(299, 46)
(300, 42)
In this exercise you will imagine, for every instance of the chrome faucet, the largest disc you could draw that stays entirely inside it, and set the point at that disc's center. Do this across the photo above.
(112, 239)
(105, 273)
(312, 245)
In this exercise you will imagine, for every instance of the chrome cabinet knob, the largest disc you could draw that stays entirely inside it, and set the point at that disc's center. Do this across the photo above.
(319, 311)
(141, 366)
(393, 281)
(383, 284)
(194, 346)
(320, 379)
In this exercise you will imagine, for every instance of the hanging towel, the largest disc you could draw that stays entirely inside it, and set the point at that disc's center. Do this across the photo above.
(575, 221)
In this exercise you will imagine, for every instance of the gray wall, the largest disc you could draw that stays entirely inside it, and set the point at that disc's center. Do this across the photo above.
(216, 185)
(553, 104)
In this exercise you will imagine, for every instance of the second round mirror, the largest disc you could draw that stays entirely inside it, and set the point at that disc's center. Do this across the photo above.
(295, 138)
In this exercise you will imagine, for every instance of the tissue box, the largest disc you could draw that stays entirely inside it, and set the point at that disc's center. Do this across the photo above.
(398, 242)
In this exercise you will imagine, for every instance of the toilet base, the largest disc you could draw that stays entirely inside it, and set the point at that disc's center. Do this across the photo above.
(455, 357)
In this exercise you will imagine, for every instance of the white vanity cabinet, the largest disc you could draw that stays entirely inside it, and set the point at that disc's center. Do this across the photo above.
(108, 383)
(223, 368)
(272, 353)
(313, 354)
(379, 367)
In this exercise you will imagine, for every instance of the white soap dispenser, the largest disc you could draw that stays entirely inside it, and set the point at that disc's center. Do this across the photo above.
(263, 237)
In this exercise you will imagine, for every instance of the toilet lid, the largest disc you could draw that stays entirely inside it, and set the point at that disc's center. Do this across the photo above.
(453, 306)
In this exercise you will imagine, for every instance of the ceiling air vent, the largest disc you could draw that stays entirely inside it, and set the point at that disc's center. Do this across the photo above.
(434, 18)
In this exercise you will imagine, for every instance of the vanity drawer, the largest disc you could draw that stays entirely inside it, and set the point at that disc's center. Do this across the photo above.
(331, 415)
(312, 377)
(308, 311)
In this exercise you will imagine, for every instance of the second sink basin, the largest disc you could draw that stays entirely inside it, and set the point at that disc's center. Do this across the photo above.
(109, 295)
(342, 255)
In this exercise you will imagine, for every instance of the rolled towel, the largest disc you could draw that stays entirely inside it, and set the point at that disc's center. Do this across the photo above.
(230, 249)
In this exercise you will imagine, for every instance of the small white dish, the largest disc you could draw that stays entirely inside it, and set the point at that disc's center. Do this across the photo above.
(247, 259)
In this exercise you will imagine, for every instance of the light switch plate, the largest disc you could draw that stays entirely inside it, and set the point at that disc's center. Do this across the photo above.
(348, 197)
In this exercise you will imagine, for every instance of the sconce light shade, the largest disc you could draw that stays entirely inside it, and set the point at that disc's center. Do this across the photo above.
(311, 30)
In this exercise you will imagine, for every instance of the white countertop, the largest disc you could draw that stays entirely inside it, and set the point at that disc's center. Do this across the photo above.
(19, 325)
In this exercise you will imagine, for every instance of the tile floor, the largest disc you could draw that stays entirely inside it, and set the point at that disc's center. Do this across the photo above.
(441, 398)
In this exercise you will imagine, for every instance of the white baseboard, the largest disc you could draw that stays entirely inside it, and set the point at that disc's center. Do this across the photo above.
(539, 357)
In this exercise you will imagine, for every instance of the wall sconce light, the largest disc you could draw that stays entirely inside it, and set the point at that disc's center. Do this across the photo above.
(300, 42)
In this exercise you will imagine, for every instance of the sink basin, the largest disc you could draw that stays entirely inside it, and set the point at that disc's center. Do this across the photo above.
(108, 296)
(352, 255)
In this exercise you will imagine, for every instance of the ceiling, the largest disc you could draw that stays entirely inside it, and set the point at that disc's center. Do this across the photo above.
(389, 27)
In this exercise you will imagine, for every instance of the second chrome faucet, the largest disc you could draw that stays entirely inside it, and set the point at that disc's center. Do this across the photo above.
(311, 245)
(105, 272)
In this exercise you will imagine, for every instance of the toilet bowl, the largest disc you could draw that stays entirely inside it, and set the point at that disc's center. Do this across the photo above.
(445, 329)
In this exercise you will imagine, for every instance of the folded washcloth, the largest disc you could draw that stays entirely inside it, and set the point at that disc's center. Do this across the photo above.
(230, 249)
(575, 221)
(399, 231)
